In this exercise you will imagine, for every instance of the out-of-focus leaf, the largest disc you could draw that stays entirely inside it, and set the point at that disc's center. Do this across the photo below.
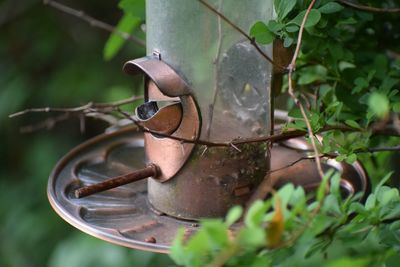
(331, 7)
(250, 238)
(261, 33)
(282, 8)
(349, 262)
(313, 18)
(136, 8)
(379, 104)
(234, 215)
(256, 213)
(126, 24)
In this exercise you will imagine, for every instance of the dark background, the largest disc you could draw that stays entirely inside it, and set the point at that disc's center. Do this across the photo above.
(48, 58)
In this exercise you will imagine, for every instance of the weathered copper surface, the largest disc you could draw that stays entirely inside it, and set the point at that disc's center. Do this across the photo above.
(150, 170)
(165, 120)
(124, 216)
(194, 182)
(164, 84)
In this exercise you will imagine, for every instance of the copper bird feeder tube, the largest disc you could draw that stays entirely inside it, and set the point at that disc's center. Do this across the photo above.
(224, 88)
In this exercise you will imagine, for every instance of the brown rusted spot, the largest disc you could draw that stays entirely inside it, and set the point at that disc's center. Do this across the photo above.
(140, 228)
(241, 191)
(150, 239)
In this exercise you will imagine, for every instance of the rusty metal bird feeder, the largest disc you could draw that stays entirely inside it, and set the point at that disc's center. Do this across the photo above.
(203, 83)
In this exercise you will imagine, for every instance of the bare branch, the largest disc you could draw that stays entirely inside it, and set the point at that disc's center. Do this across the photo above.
(88, 108)
(94, 22)
(368, 8)
(48, 124)
(216, 73)
(380, 149)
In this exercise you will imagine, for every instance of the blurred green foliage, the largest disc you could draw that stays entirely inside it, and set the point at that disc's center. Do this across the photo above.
(48, 58)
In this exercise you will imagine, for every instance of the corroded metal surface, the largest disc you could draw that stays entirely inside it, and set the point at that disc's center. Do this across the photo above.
(124, 216)
(162, 83)
(195, 182)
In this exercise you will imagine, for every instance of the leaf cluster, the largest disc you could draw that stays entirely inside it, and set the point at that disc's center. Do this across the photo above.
(322, 229)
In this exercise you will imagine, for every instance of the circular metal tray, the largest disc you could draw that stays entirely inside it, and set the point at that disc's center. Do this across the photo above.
(123, 216)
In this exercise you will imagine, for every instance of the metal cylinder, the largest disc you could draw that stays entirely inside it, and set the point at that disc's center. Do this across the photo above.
(231, 83)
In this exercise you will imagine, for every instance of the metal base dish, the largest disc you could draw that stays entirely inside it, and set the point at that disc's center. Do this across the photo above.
(123, 215)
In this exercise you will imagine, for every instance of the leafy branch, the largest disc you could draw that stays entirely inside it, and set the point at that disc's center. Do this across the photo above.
(291, 68)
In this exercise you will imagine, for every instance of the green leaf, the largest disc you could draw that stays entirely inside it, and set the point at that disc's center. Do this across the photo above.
(292, 28)
(261, 33)
(335, 185)
(331, 205)
(350, 159)
(353, 124)
(331, 7)
(385, 195)
(313, 18)
(396, 107)
(295, 113)
(233, 215)
(357, 208)
(322, 187)
(360, 83)
(311, 74)
(288, 41)
(283, 7)
(217, 232)
(348, 21)
(349, 262)
(136, 8)
(298, 198)
(371, 202)
(177, 252)
(390, 211)
(256, 213)
(378, 104)
(275, 26)
(252, 237)
(261, 261)
(346, 65)
(115, 42)
(383, 181)
(285, 193)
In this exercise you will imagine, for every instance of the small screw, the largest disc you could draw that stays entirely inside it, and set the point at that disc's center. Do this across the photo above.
(157, 54)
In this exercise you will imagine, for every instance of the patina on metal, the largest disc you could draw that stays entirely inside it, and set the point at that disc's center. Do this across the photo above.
(150, 170)
(163, 84)
(194, 181)
(124, 216)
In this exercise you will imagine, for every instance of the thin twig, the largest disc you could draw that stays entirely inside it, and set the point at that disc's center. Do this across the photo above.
(368, 8)
(95, 110)
(94, 22)
(379, 149)
(292, 68)
(87, 107)
(46, 124)
(234, 143)
(216, 71)
(248, 37)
